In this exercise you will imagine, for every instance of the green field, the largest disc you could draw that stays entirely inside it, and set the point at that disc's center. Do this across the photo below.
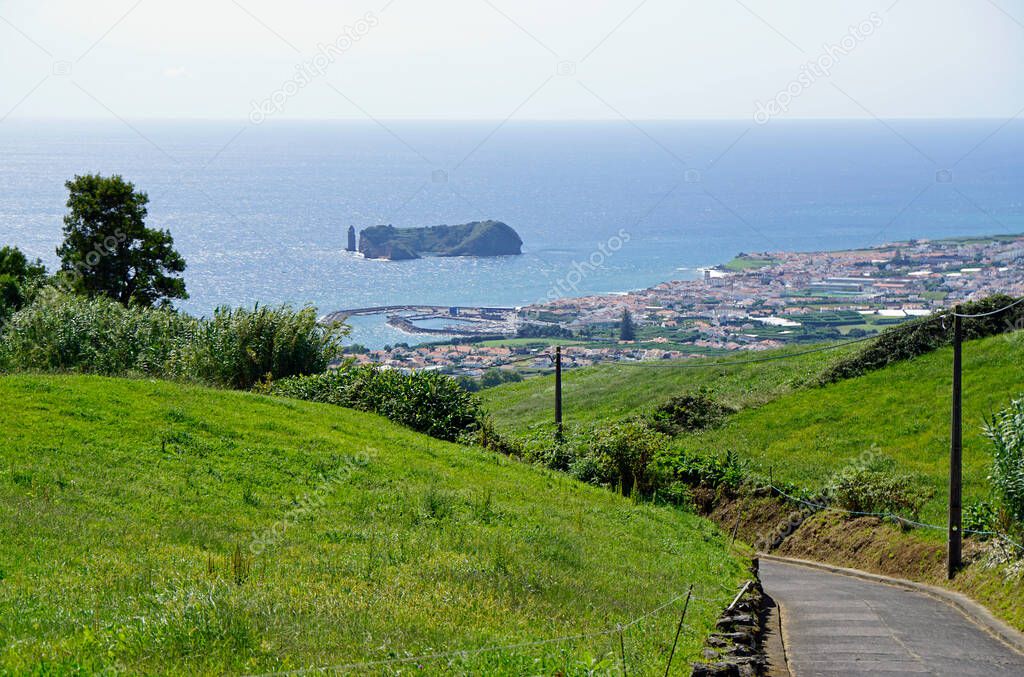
(159, 528)
(608, 392)
(901, 412)
(742, 263)
(803, 434)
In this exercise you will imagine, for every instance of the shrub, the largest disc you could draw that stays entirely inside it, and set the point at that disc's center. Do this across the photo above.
(73, 333)
(689, 413)
(67, 332)
(701, 470)
(979, 516)
(876, 488)
(1006, 431)
(485, 435)
(427, 402)
(625, 455)
(918, 337)
(238, 347)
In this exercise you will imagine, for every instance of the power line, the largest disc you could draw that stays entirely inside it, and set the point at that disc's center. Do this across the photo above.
(833, 346)
(528, 358)
(702, 365)
(989, 313)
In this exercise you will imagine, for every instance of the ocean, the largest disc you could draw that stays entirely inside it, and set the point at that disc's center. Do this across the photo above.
(260, 212)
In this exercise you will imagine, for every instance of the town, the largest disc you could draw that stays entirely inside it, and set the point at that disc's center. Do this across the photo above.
(757, 301)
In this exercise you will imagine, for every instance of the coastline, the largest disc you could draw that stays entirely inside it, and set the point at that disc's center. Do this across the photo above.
(757, 301)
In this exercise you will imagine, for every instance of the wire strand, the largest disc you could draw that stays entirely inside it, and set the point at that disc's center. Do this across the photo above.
(465, 653)
(989, 313)
(892, 516)
(706, 365)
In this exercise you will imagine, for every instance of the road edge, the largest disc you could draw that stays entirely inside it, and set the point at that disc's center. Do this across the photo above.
(973, 611)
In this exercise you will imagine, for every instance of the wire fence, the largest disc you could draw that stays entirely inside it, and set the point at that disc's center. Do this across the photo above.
(888, 515)
(703, 364)
(621, 628)
(466, 653)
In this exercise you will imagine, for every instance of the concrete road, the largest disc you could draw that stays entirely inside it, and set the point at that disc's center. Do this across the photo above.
(839, 625)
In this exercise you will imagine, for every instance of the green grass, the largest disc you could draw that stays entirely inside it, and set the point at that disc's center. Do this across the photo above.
(742, 263)
(804, 433)
(153, 527)
(902, 412)
(608, 392)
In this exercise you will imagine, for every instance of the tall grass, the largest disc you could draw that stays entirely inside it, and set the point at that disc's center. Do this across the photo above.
(235, 348)
(1006, 431)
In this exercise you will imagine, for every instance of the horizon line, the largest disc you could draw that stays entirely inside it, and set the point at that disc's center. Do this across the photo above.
(903, 118)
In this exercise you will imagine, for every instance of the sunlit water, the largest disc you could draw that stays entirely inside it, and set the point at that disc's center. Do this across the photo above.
(264, 217)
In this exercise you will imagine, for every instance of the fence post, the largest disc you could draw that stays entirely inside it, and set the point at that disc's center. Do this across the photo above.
(955, 537)
(558, 393)
(679, 629)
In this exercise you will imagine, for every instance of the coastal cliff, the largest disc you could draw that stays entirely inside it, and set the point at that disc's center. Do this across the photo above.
(479, 238)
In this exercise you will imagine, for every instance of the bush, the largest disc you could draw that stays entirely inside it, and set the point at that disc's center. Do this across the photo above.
(980, 516)
(427, 402)
(491, 378)
(689, 413)
(67, 332)
(699, 470)
(71, 333)
(876, 488)
(1006, 431)
(238, 347)
(918, 337)
(626, 454)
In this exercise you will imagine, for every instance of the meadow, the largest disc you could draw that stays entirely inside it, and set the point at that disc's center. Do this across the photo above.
(147, 526)
(609, 392)
(790, 428)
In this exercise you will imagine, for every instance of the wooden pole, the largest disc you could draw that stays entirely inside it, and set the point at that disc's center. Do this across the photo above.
(736, 527)
(956, 452)
(558, 393)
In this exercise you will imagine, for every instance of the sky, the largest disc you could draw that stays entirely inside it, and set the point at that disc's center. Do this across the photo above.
(522, 59)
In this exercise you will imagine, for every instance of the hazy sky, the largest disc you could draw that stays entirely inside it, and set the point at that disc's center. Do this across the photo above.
(529, 59)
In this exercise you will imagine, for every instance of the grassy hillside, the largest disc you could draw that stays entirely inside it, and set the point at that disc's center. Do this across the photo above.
(614, 391)
(804, 434)
(153, 527)
(901, 412)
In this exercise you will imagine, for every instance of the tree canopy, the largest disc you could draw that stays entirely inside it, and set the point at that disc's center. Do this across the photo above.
(108, 250)
(17, 277)
(627, 330)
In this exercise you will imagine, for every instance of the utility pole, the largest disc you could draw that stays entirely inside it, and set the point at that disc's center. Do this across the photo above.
(558, 393)
(956, 451)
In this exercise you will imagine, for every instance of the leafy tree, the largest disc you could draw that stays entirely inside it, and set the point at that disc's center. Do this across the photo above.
(18, 275)
(627, 330)
(109, 251)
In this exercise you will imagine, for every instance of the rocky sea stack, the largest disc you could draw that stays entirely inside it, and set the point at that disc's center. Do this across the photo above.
(479, 238)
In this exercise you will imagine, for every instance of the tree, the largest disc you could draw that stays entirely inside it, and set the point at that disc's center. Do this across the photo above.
(18, 276)
(627, 330)
(108, 250)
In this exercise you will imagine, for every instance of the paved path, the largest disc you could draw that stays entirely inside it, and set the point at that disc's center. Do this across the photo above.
(840, 625)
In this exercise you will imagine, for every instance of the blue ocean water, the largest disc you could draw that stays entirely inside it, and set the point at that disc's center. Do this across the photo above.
(261, 212)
